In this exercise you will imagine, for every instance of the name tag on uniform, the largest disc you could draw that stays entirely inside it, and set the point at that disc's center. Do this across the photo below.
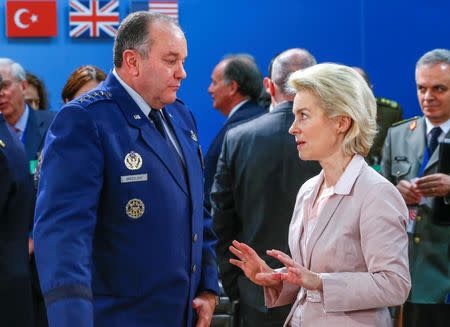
(134, 178)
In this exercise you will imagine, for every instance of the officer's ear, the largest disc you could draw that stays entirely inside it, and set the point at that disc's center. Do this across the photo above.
(131, 61)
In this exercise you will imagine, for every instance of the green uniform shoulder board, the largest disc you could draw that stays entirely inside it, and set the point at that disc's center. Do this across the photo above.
(386, 102)
(401, 122)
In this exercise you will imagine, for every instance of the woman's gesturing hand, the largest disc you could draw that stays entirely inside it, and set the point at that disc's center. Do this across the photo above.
(296, 273)
(253, 266)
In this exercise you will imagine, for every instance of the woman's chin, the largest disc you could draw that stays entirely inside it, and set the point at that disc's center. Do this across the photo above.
(303, 155)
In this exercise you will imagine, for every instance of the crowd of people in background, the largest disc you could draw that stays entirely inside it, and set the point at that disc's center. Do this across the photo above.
(318, 199)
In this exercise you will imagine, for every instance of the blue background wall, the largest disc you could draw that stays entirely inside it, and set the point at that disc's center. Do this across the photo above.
(384, 37)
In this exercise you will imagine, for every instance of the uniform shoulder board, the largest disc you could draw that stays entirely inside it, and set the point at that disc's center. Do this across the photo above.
(401, 122)
(94, 96)
(386, 102)
(2, 144)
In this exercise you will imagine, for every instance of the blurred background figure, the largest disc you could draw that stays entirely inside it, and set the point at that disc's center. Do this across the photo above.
(236, 85)
(30, 127)
(388, 113)
(412, 162)
(35, 94)
(15, 212)
(82, 80)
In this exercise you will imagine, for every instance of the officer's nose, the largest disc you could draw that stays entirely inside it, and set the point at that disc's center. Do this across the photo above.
(180, 72)
(428, 95)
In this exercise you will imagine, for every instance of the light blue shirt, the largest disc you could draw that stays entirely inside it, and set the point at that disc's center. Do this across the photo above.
(21, 124)
(146, 110)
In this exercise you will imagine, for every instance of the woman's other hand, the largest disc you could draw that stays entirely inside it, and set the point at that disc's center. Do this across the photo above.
(296, 273)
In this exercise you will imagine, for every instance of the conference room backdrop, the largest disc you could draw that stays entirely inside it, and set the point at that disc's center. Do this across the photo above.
(384, 37)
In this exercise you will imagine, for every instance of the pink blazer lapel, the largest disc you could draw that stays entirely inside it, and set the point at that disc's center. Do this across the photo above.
(323, 220)
(297, 224)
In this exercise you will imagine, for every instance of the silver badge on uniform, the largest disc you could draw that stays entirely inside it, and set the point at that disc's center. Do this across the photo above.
(133, 160)
(194, 136)
(135, 208)
(136, 116)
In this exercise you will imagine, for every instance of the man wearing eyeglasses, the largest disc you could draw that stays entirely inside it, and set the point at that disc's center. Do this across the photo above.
(15, 212)
(30, 127)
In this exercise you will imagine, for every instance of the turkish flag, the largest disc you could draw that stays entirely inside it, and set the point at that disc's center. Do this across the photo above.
(32, 18)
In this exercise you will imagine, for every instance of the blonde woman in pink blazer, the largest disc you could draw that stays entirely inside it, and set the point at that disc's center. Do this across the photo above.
(348, 231)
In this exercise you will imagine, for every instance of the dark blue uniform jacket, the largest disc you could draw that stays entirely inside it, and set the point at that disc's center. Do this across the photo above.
(121, 246)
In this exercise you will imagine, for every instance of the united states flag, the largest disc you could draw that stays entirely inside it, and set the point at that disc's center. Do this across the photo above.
(166, 7)
(93, 18)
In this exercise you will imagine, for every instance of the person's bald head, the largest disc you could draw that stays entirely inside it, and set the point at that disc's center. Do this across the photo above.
(288, 62)
(281, 67)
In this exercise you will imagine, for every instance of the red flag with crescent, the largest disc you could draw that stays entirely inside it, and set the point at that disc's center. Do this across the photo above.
(32, 18)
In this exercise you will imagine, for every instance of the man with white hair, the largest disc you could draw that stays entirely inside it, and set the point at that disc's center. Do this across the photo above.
(31, 127)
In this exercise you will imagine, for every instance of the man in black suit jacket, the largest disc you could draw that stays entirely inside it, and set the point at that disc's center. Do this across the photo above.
(31, 128)
(258, 176)
(236, 84)
(15, 212)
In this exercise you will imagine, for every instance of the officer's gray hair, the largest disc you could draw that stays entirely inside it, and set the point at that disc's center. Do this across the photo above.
(435, 56)
(16, 70)
(288, 62)
(342, 92)
(134, 34)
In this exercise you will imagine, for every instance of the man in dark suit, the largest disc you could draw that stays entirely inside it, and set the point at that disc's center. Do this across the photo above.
(31, 127)
(258, 177)
(120, 235)
(236, 85)
(411, 162)
(15, 212)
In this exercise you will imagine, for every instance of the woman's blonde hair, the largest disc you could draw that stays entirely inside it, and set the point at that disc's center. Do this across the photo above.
(342, 92)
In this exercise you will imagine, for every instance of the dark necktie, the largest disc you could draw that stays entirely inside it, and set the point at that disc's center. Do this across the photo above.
(435, 132)
(157, 119)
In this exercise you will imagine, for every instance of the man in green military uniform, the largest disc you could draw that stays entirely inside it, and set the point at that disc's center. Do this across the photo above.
(388, 113)
(410, 161)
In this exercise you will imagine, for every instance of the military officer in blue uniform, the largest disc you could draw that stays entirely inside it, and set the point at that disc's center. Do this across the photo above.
(120, 237)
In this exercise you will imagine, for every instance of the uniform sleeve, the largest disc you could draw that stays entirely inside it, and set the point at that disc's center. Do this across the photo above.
(386, 160)
(384, 244)
(69, 189)
(226, 223)
(209, 278)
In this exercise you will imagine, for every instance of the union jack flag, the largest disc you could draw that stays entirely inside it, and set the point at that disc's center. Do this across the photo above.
(166, 7)
(93, 18)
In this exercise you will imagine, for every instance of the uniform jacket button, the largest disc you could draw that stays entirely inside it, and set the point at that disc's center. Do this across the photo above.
(194, 268)
(417, 239)
(195, 237)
